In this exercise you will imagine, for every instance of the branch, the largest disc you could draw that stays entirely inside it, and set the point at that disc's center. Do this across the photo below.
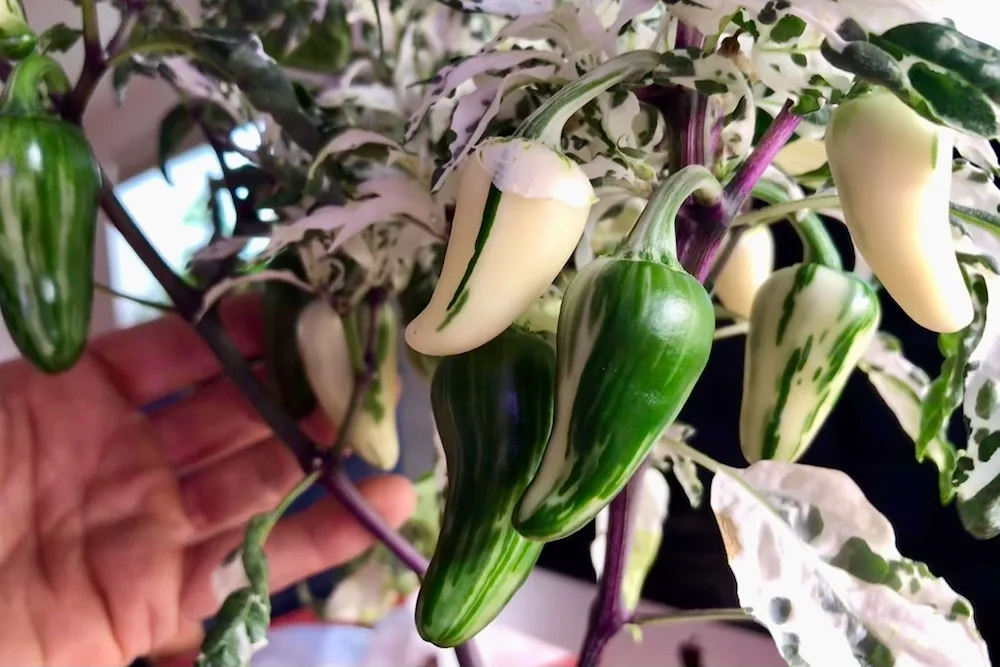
(188, 302)
(94, 63)
(734, 614)
(608, 615)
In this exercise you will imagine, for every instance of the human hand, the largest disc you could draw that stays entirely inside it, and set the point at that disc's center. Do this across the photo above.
(113, 521)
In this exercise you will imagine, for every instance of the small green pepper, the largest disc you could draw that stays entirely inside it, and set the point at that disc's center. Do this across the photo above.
(49, 189)
(493, 410)
(17, 39)
(634, 335)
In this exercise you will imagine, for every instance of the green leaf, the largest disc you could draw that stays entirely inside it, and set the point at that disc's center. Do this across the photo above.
(174, 128)
(944, 75)
(240, 627)
(947, 391)
(58, 39)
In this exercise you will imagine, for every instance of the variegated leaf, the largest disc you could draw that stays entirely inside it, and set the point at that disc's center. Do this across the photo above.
(386, 199)
(666, 457)
(473, 113)
(903, 387)
(220, 289)
(818, 566)
(451, 77)
(508, 8)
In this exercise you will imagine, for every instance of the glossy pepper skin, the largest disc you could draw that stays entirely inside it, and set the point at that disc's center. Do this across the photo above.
(49, 189)
(510, 190)
(17, 40)
(281, 305)
(634, 335)
(809, 326)
(892, 169)
(493, 409)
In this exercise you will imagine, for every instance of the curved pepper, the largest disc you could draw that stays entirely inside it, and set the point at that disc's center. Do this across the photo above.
(281, 304)
(493, 410)
(892, 169)
(17, 39)
(511, 191)
(634, 335)
(809, 326)
(331, 349)
(749, 265)
(49, 188)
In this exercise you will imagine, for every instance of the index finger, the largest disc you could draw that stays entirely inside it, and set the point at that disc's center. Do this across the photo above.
(153, 360)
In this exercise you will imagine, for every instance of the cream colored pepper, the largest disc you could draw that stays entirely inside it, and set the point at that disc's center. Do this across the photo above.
(749, 265)
(521, 211)
(892, 169)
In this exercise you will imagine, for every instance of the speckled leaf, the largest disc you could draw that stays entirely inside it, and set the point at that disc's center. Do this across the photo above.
(818, 566)
(652, 499)
(944, 75)
(903, 386)
(240, 627)
(507, 8)
(446, 81)
(473, 113)
(947, 390)
(666, 457)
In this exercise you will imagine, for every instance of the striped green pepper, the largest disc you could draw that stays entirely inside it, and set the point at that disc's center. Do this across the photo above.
(493, 408)
(809, 326)
(281, 304)
(49, 188)
(634, 335)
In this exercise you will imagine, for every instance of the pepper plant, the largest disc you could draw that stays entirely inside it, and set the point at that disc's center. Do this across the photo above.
(555, 208)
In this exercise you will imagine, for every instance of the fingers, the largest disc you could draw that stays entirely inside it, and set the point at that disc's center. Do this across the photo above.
(300, 546)
(225, 494)
(155, 359)
(213, 422)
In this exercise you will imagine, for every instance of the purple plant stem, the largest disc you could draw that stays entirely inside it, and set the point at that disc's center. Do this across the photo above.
(688, 37)
(608, 614)
(705, 253)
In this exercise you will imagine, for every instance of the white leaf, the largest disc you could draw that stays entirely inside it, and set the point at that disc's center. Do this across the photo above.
(977, 150)
(775, 64)
(221, 249)
(665, 457)
(629, 10)
(373, 96)
(651, 501)
(219, 290)
(387, 198)
(364, 596)
(229, 577)
(509, 8)
(973, 187)
(454, 75)
(351, 140)
(902, 385)
(874, 15)
(817, 564)
(474, 112)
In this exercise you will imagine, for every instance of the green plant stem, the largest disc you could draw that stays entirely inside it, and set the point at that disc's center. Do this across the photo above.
(547, 122)
(653, 234)
(776, 212)
(686, 616)
(273, 516)
(107, 289)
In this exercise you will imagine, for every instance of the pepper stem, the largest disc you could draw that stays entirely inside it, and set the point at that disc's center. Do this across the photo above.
(547, 122)
(653, 235)
(23, 94)
(817, 246)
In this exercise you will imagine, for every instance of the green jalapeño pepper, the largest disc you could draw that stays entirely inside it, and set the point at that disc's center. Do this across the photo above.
(493, 409)
(49, 188)
(634, 335)
(809, 325)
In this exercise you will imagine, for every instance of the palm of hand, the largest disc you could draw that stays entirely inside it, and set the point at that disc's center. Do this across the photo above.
(113, 521)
